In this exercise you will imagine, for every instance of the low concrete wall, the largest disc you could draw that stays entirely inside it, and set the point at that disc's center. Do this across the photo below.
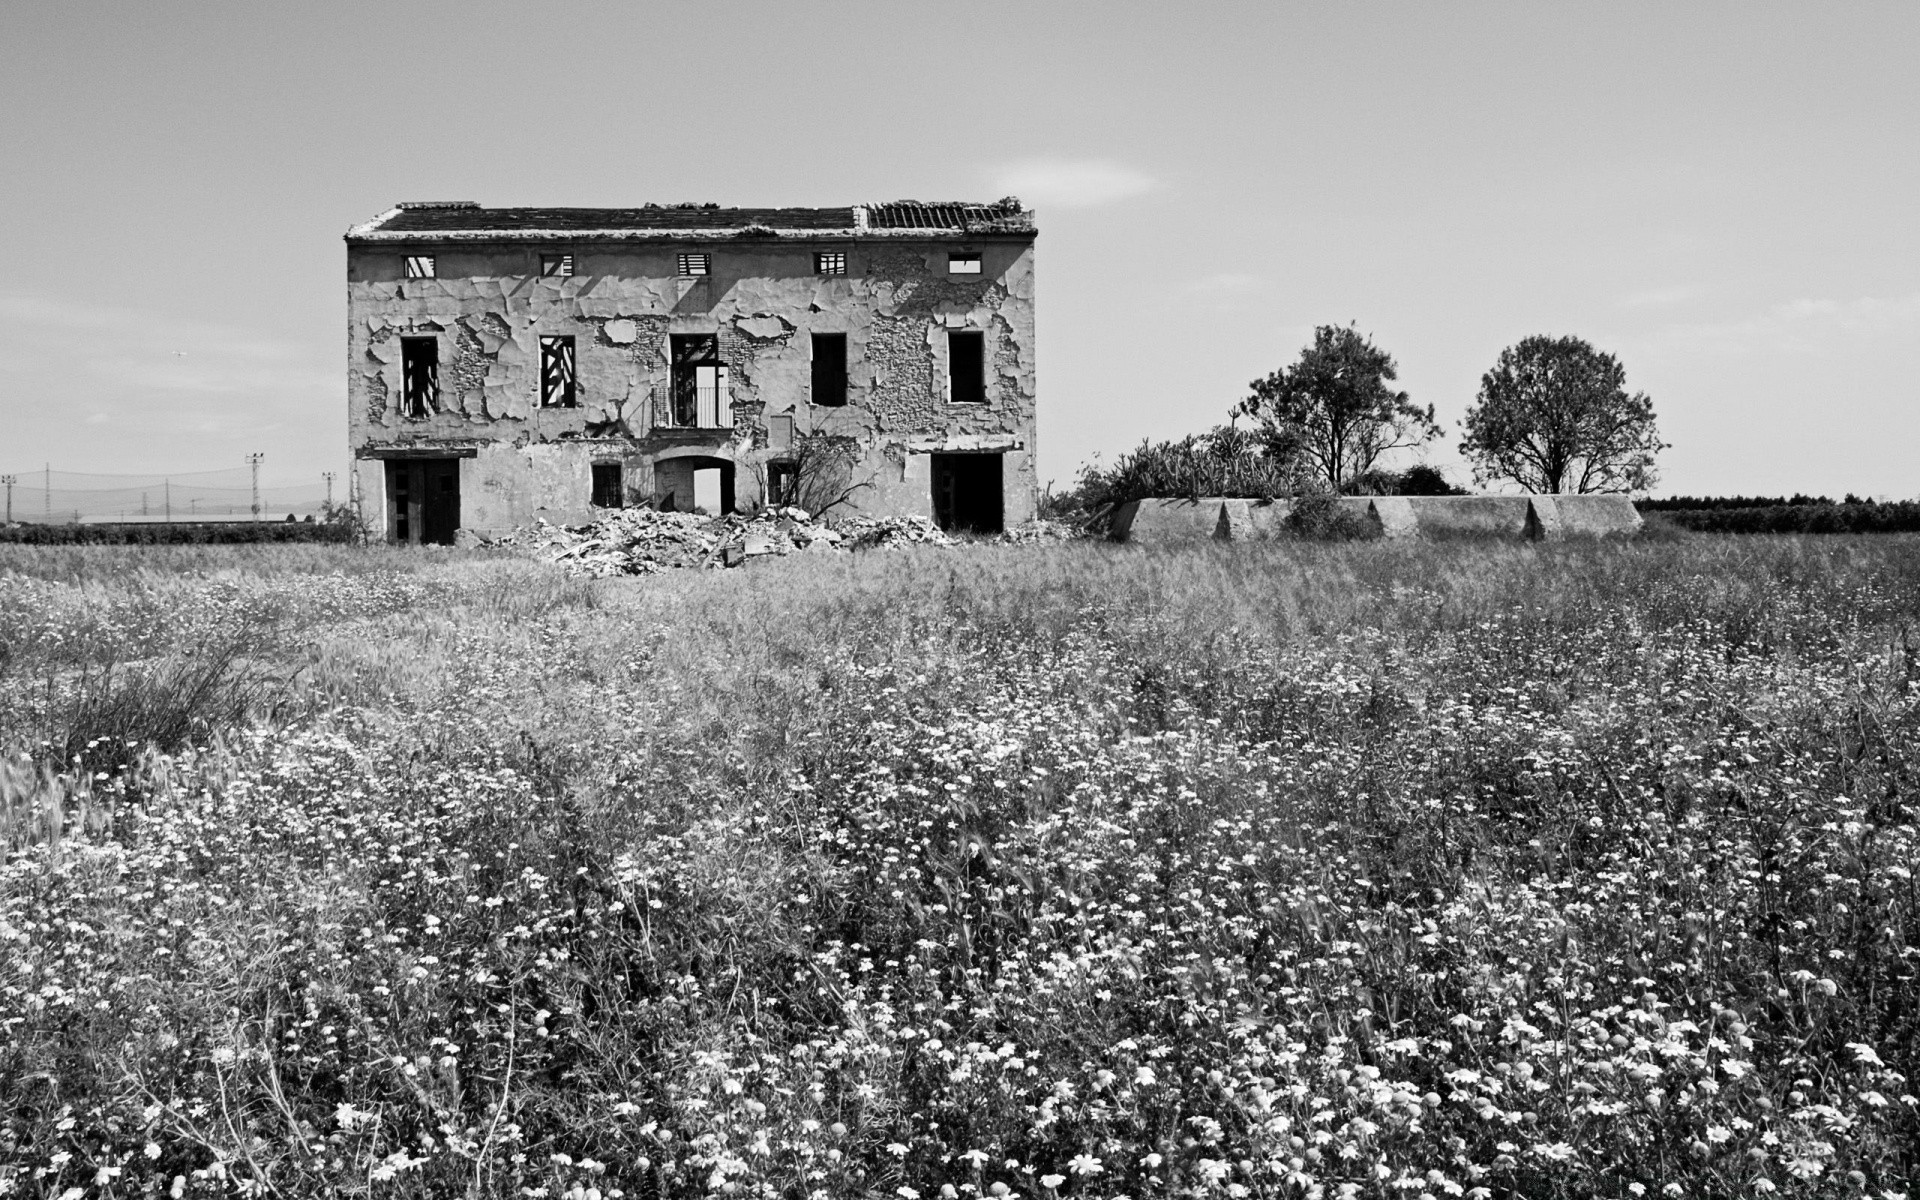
(1470, 516)
(1596, 516)
(1147, 522)
(1533, 518)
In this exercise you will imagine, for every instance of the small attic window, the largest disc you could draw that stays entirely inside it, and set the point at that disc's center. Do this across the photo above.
(694, 264)
(830, 262)
(963, 262)
(419, 266)
(556, 264)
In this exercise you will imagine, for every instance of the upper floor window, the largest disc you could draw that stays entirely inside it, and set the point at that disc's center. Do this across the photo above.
(419, 266)
(694, 264)
(830, 369)
(419, 376)
(963, 263)
(556, 372)
(556, 264)
(966, 366)
(830, 262)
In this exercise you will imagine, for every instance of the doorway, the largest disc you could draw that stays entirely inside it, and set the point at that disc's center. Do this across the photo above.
(423, 501)
(967, 493)
(694, 481)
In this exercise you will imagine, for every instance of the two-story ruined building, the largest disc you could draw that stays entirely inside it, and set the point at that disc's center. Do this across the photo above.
(512, 363)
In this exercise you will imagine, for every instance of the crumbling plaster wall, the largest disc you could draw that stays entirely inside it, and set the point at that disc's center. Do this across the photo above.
(489, 307)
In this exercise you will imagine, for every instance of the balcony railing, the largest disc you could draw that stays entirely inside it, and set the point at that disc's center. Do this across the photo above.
(698, 400)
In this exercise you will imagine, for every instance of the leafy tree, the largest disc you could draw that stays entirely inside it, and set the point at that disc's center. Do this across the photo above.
(1554, 415)
(1335, 406)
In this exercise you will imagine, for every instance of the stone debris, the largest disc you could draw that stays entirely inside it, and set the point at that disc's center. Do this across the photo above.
(640, 541)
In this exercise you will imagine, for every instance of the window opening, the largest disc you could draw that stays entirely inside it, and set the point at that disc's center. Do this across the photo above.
(556, 372)
(419, 376)
(693, 264)
(830, 262)
(963, 263)
(699, 399)
(419, 266)
(830, 369)
(556, 264)
(783, 484)
(608, 487)
(966, 366)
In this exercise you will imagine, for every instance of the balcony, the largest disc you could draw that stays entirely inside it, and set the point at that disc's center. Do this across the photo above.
(698, 398)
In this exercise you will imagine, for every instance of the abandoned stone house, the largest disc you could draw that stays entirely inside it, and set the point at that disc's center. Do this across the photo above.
(506, 364)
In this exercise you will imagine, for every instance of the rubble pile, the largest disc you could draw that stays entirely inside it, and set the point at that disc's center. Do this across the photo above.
(640, 541)
(879, 533)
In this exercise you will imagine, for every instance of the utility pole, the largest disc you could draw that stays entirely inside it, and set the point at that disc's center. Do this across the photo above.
(328, 476)
(9, 481)
(253, 460)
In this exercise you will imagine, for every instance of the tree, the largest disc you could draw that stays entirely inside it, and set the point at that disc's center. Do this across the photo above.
(1334, 405)
(1554, 416)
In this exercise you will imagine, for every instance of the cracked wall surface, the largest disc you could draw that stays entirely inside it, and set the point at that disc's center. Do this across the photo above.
(488, 307)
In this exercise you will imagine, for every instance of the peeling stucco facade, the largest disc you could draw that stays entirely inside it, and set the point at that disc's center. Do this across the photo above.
(488, 304)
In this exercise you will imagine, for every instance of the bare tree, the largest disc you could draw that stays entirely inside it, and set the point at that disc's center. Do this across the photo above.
(817, 475)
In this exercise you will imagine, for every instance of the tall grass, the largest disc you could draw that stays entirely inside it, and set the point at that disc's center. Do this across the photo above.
(1363, 869)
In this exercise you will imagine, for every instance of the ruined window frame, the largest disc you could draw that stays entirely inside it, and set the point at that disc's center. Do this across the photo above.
(964, 262)
(556, 266)
(976, 337)
(783, 483)
(419, 376)
(605, 494)
(695, 264)
(559, 371)
(422, 266)
(835, 389)
(829, 262)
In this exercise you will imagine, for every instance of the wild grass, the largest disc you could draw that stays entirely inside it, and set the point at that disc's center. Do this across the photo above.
(1077, 870)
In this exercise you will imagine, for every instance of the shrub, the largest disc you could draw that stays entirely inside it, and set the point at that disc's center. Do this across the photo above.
(1227, 461)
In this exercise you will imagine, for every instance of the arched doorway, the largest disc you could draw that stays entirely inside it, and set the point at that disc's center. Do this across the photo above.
(688, 482)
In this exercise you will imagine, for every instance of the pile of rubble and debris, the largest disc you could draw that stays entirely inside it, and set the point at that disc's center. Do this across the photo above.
(640, 541)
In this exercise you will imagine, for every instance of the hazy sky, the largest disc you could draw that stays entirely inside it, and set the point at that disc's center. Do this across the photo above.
(1725, 196)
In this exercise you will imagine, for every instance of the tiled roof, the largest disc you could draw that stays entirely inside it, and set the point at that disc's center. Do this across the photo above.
(464, 220)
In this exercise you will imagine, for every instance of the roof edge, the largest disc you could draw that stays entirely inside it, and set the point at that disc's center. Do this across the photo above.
(367, 227)
(371, 232)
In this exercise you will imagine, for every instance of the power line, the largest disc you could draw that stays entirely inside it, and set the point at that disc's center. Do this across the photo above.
(235, 493)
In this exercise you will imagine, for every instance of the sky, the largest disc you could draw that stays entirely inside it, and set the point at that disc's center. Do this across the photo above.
(1722, 195)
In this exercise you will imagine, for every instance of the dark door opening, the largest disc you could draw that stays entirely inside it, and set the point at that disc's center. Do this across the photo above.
(967, 495)
(423, 500)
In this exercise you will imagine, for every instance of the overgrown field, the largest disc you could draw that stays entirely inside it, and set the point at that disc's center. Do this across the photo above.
(1063, 870)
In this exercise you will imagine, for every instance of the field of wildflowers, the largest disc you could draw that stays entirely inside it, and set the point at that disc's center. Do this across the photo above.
(1065, 870)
